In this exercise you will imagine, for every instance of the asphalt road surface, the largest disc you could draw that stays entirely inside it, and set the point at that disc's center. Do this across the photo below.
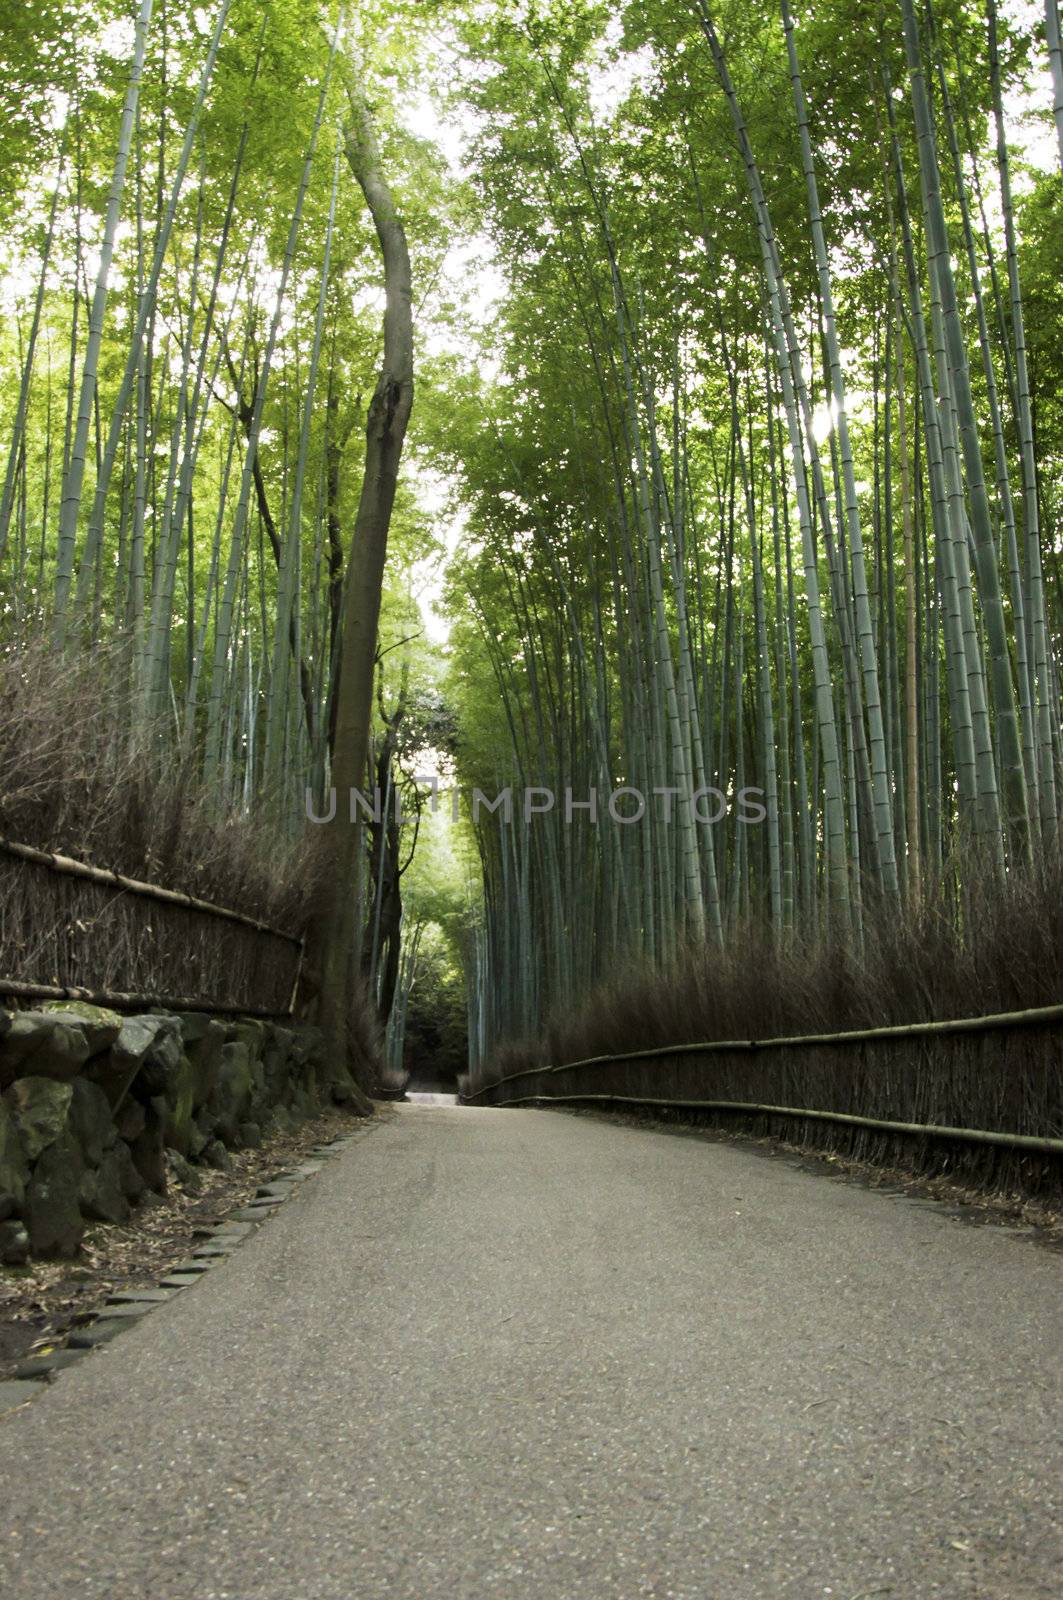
(516, 1353)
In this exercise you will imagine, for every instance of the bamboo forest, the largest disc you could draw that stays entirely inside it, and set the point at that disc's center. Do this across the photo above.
(696, 670)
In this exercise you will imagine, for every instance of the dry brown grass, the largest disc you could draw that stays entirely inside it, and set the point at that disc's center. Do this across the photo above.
(73, 780)
(983, 950)
(991, 949)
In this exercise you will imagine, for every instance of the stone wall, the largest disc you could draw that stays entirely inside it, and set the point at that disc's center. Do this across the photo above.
(91, 1102)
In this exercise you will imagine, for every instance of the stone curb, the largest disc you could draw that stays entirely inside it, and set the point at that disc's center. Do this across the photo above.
(128, 1307)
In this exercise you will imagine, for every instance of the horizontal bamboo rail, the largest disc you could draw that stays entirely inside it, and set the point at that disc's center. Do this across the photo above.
(1037, 1016)
(116, 1001)
(1007, 1141)
(116, 880)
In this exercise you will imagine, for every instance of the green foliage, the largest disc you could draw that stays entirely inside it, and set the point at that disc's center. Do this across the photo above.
(632, 595)
(613, 188)
(40, 47)
(436, 1025)
(1042, 274)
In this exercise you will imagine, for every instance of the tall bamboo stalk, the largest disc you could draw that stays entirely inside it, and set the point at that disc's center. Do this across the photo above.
(74, 475)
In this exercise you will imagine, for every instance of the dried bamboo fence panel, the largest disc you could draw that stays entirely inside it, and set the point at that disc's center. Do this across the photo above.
(66, 925)
(993, 1083)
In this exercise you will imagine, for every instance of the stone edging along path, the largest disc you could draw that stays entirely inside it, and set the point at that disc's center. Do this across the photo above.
(128, 1306)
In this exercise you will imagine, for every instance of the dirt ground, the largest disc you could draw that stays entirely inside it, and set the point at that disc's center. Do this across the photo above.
(41, 1302)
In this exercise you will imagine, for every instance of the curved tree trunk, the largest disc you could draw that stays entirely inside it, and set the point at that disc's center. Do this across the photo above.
(389, 413)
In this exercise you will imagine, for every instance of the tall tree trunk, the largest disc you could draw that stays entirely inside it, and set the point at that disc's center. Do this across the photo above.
(389, 413)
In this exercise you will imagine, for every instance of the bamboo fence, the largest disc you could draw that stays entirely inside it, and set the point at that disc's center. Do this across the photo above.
(924, 1080)
(73, 931)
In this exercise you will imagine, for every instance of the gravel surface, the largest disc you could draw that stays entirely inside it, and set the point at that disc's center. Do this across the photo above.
(40, 1302)
(510, 1353)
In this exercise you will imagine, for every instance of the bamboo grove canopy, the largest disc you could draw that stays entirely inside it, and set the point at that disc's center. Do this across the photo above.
(758, 452)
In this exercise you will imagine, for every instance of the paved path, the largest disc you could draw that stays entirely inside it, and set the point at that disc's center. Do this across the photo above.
(512, 1354)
